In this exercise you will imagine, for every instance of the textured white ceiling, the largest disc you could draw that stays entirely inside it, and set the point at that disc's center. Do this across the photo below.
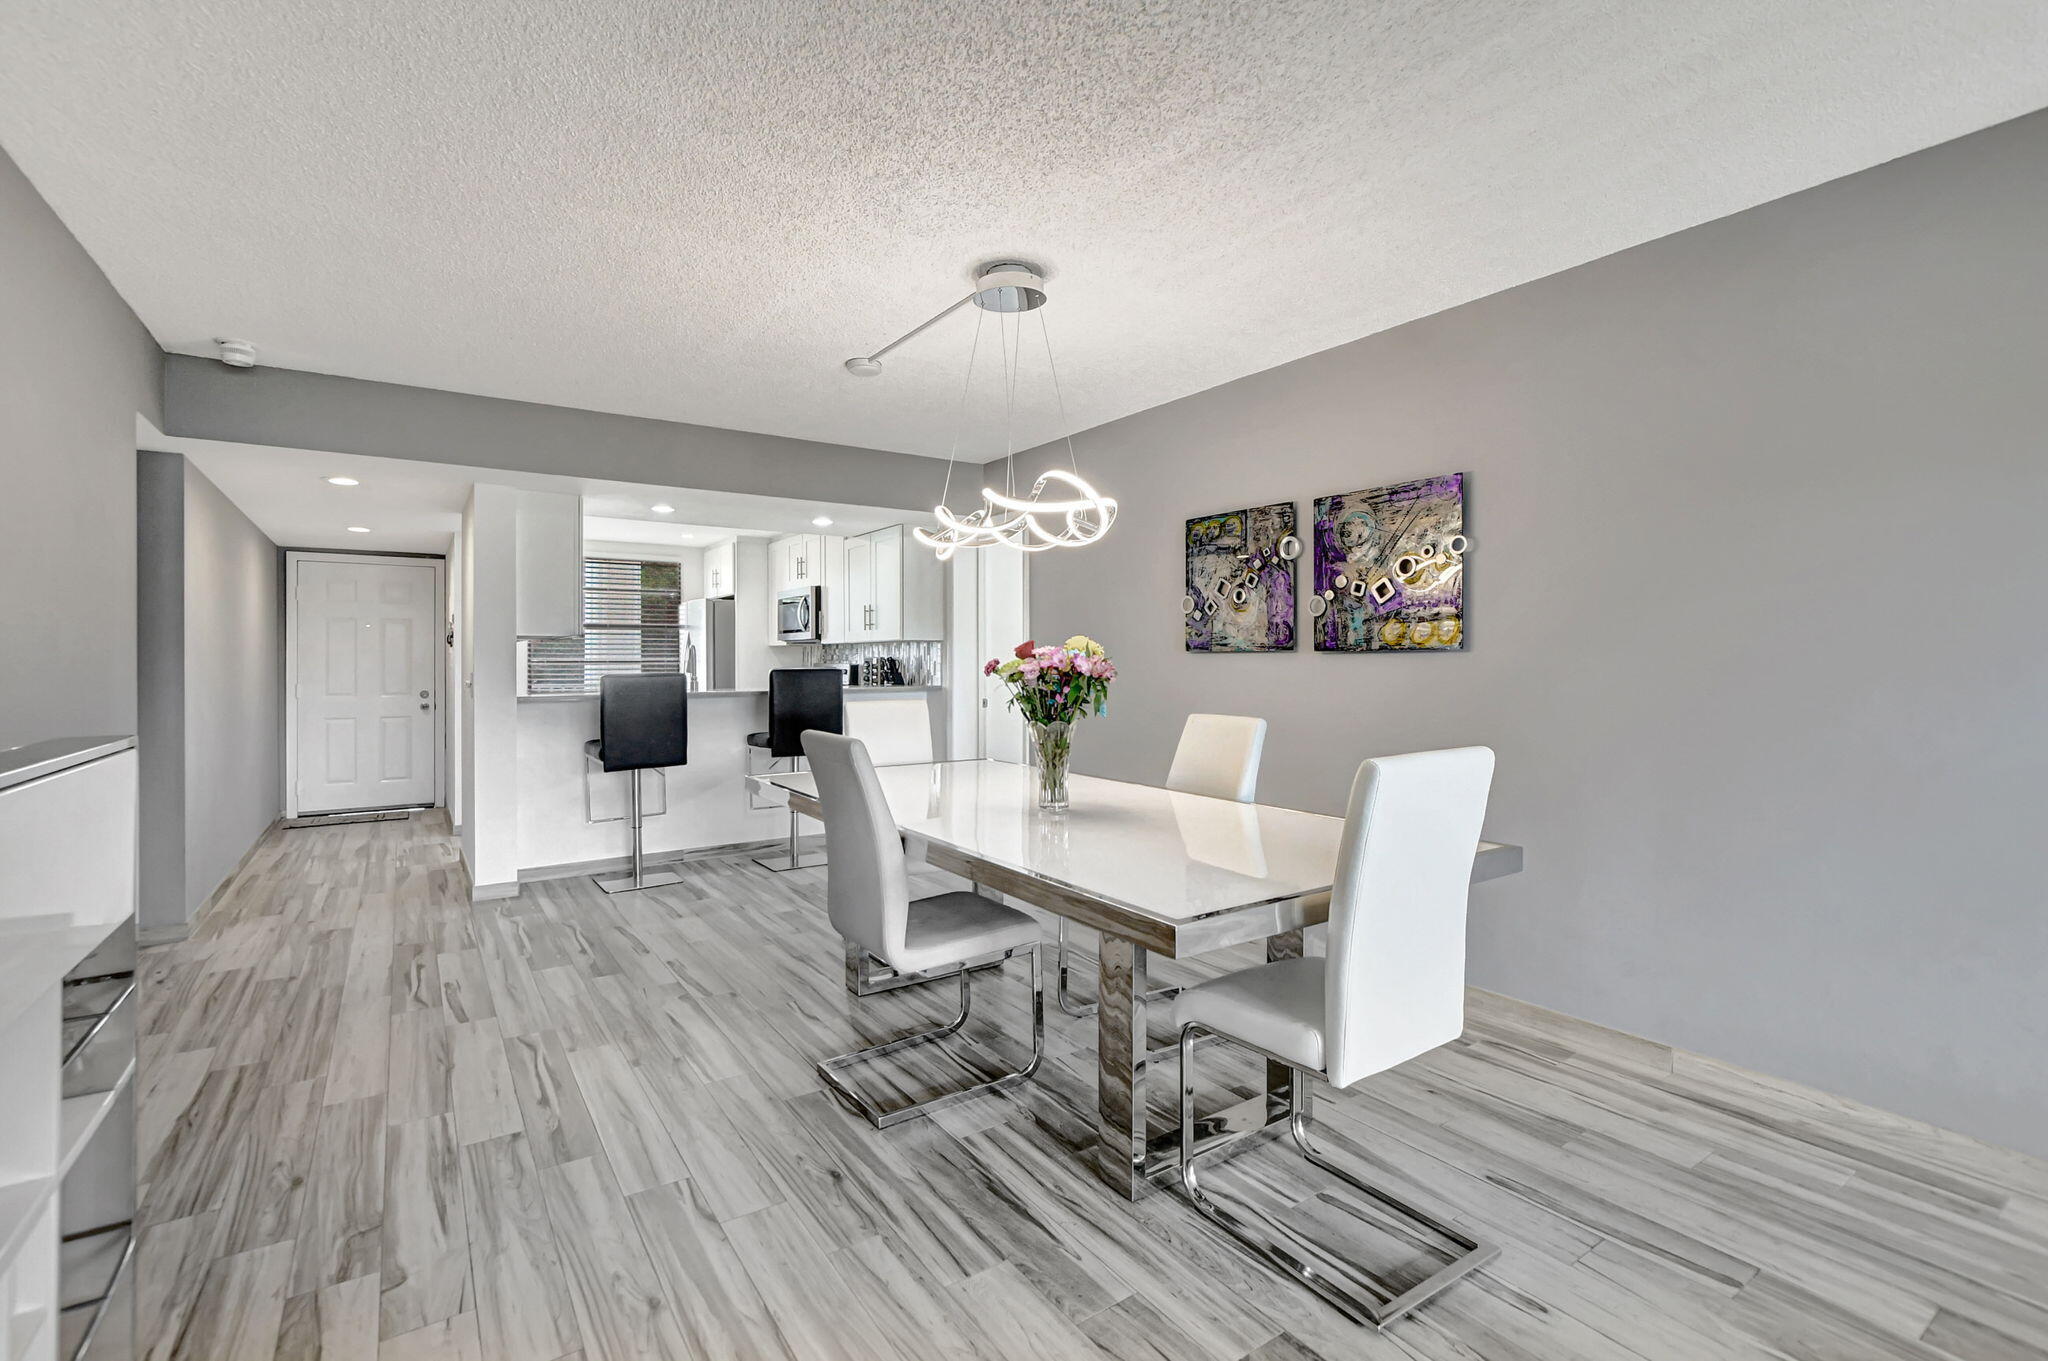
(696, 211)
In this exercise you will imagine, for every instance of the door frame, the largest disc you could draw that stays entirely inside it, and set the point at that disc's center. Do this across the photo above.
(292, 558)
(998, 632)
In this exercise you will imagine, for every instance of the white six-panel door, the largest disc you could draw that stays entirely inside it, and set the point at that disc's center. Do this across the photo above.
(365, 684)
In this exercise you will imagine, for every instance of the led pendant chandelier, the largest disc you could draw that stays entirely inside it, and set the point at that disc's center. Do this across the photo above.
(1060, 510)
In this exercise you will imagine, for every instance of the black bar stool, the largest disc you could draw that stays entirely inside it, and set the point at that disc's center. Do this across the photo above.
(643, 723)
(801, 699)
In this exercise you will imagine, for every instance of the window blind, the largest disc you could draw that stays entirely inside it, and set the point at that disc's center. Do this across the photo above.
(632, 617)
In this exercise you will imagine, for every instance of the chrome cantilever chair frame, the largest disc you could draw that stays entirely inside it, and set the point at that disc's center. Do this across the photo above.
(1349, 1290)
(829, 1069)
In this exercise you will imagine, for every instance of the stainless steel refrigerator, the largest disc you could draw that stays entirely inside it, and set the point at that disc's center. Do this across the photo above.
(707, 641)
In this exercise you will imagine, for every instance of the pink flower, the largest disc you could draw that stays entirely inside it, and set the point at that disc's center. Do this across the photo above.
(1029, 671)
(990, 669)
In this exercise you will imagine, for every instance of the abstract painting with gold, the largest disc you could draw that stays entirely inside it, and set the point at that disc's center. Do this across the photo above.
(1240, 580)
(1390, 568)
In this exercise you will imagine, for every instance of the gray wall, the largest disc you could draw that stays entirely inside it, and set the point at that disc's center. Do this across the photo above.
(234, 685)
(212, 684)
(205, 400)
(75, 369)
(161, 908)
(1755, 593)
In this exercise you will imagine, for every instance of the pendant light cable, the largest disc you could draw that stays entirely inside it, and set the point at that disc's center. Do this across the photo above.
(960, 419)
(1059, 399)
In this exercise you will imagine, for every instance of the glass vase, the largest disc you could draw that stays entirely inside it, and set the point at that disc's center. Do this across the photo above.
(1052, 742)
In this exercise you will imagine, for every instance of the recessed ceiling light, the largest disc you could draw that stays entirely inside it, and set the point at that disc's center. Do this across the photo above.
(822, 521)
(344, 482)
(358, 529)
(663, 509)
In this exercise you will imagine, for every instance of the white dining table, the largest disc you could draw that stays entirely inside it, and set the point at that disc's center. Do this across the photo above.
(1155, 872)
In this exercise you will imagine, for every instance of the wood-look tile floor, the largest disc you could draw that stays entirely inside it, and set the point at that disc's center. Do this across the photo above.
(378, 1122)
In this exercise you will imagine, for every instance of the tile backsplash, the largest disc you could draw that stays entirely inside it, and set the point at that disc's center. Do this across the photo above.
(921, 663)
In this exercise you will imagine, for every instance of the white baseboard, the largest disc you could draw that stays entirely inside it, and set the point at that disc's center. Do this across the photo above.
(539, 873)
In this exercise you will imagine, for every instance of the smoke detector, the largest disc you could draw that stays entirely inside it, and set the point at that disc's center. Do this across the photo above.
(237, 354)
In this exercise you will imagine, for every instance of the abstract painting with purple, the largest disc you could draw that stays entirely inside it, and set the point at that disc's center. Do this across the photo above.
(1240, 584)
(1390, 568)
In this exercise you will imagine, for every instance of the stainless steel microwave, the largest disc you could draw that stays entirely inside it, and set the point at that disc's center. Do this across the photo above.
(800, 616)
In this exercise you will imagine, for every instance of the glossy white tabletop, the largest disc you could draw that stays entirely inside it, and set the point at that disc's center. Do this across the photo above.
(1174, 857)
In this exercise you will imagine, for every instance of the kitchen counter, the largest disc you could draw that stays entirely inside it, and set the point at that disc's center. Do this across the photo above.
(852, 692)
(707, 801)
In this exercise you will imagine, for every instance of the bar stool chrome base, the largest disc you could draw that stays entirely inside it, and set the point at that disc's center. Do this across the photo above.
(791, 859)
(1347, 1288)
(630, 883)
(637, 877)
(829, 1069)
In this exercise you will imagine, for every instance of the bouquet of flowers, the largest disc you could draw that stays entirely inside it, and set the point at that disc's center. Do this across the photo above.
(1052, 687)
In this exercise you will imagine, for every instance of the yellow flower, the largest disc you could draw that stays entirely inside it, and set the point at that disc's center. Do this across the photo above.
(1081, 642)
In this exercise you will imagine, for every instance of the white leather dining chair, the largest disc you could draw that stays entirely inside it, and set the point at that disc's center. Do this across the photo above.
(1218, 758)
(867, 896)
(896, 731)
(1392, 987)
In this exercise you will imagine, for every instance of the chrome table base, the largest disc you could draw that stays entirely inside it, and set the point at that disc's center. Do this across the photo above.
(1132, 1160)
(830, 1069)
(1062, 993)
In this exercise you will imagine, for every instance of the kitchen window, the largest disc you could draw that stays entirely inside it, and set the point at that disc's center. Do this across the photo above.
(631, 626)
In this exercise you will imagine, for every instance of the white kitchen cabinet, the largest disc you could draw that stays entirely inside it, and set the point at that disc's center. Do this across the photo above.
(895, 589)
(547, 564)
(839, 608)
(887, 617)
(796, 561)
(721, 570)
(857, 596)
